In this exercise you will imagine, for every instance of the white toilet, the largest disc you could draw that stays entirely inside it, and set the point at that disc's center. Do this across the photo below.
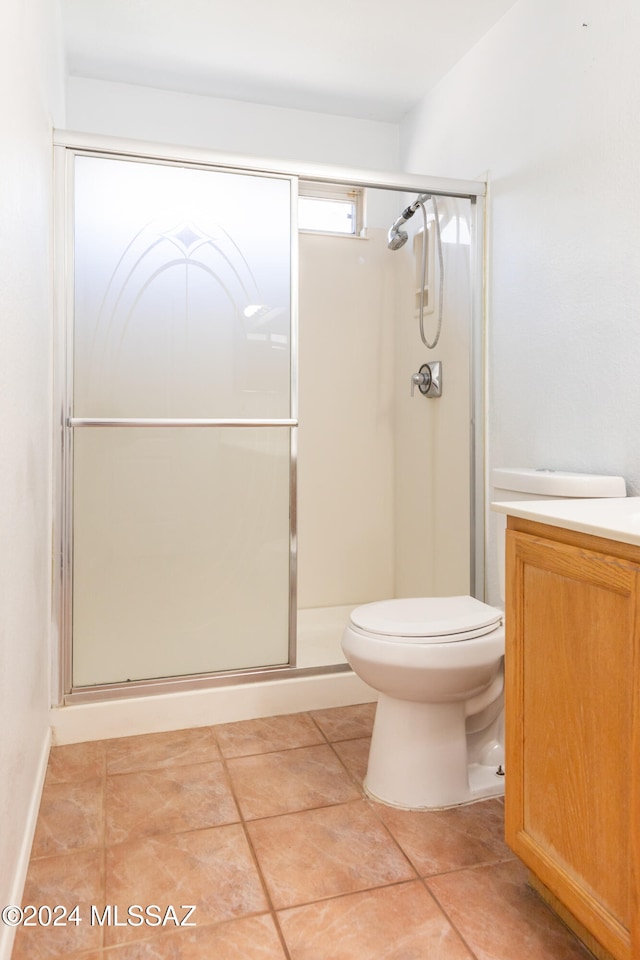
(437, 664)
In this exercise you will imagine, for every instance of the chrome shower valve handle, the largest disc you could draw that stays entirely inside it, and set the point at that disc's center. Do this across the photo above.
(428, 379)
(422, 379)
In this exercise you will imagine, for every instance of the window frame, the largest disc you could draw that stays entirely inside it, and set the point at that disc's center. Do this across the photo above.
(342, 193)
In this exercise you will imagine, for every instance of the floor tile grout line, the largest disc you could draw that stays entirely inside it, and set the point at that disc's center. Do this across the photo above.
(111, 948)
(303, 810)
(103, 857)
(33, 858)
(265, 753)
(165, 769)
(352, 776)
(70, 852)
(371, 805)
(270, 753)
(316, 806)
(272, 910)
(172, 761)
(162, 767)
(284, 749)
(349, 893)
(256, 862)
(494, 862)
(318, 727)
(450, 920)
(332, 740)
(231, 785)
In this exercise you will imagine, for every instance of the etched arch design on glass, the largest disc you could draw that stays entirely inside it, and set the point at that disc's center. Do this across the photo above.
(172, 318)
(138, 268)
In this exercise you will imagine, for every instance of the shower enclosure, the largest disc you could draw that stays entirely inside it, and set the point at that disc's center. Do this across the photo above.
(240, 459)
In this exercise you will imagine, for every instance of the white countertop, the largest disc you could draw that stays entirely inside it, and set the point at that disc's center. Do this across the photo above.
(615, 519)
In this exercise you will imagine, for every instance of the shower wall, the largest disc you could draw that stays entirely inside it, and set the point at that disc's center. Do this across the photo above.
(346, 435)
(383, 478)
(433, 437)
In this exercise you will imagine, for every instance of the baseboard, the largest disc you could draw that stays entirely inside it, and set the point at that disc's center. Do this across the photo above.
(7, 934)
(200, 708)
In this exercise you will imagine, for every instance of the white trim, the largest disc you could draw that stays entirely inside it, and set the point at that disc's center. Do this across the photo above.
(201, 708)
(7, 933)
(408, 182)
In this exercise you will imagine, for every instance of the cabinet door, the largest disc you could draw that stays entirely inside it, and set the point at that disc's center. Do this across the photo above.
(572, 626)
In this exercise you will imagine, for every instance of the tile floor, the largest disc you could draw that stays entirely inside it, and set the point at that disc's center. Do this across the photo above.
(262, 825)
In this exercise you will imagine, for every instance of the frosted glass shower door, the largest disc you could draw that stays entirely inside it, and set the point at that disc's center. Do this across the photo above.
(181, 421)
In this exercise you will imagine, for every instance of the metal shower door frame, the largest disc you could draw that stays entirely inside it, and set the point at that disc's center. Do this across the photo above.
(67, 145)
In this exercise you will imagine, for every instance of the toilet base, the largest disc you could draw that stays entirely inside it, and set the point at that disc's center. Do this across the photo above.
(484, 783)
(419, 760)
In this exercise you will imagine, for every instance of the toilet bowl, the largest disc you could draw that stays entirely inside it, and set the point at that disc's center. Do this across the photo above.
(436, 663)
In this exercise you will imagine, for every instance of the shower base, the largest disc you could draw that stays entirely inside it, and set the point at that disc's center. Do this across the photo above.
(319, 634)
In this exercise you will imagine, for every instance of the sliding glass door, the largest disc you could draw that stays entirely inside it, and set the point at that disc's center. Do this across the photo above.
(180, 421)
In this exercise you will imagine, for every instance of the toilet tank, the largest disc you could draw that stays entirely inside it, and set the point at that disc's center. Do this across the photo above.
(523, 483)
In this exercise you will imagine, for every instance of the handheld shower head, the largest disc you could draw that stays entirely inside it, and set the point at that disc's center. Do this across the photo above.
(396, 238)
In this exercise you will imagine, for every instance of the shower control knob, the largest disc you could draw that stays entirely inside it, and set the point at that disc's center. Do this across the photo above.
(422, 379)
(428, 379)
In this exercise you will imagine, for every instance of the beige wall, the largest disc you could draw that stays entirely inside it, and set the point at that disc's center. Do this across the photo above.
(31, 81)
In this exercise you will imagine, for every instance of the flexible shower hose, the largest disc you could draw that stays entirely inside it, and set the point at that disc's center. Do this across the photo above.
(431, 345)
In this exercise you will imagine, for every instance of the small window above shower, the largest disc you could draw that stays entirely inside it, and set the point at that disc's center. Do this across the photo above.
(330, 208)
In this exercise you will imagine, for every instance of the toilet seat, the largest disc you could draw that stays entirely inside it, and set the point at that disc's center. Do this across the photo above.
(426, 619)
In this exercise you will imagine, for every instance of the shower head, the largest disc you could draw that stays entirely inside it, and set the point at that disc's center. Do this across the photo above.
(396, 237)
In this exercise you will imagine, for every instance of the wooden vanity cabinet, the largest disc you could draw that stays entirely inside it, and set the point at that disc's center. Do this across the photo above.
(572, 727)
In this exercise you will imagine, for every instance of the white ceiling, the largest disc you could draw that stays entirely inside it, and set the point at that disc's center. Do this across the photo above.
(363, 58)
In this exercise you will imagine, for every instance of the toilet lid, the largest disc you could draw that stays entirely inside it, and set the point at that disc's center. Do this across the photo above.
(427, 617)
